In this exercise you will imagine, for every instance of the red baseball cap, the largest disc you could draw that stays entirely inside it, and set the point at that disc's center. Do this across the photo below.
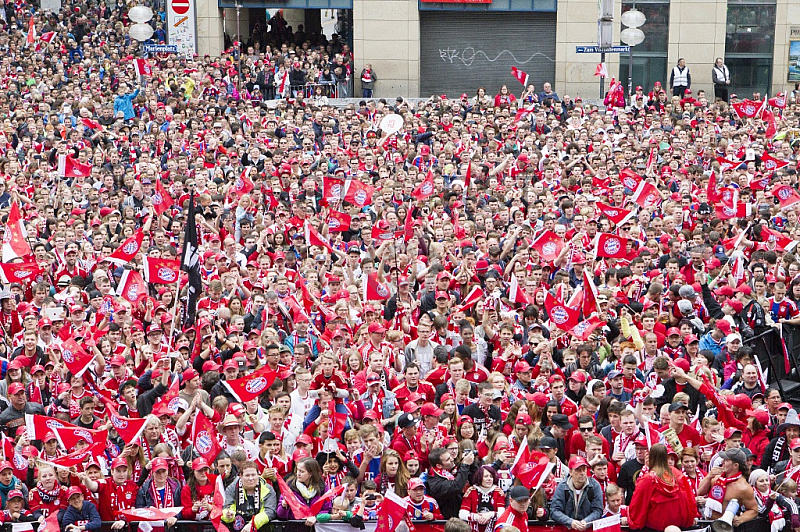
(578, 461)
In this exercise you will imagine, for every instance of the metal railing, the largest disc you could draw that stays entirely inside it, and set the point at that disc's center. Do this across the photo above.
(331, 90)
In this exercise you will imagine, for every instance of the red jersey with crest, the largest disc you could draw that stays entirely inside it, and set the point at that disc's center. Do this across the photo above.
(114, 498)
(47, 502)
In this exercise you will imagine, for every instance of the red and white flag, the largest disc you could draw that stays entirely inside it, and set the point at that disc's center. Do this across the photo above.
(38, 426)
(168, 403)
(132, 287)
(778, 101)
(629, 178)
(472, 298)
(532, 468)
(611, 246)
(522, 112)
(143, 67)
(128, 250)
(589, 293)
(338, 222)
(332, 188)
(205, 437)
(646, 195)
(252, 385)
(161, 199)
(68, 437)
(787, 196)
(748, 108)
(725, 164)
(769, 119)
(737, 270)
(217, 506)
(771, 164)
(382, 235)
(50, 523)
(781, 240)
(601, 70)
(616, 214)
(95, 450)
(374, 290)
(243, 184)
(358, 193)
(391, 512)
(91, 124)
(467, 177)
(549, 245)
(31, 32)
(161, 271)
(520, 76)
(584, 329)
(560, 315)
(129, 429)
(75, 357)
(15, 239)
(425, 189)
(69, 166)
(20, 272)
(47, 36)
(313, 238)
(284, 84)
(516, 294)
(611, 523)
(150, 513)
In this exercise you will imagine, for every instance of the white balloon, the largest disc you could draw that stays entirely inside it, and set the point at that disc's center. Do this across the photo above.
(392, 123)
(140, 14)
(141, 32)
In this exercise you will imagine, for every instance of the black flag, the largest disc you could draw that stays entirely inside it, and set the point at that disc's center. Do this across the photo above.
(190, 263)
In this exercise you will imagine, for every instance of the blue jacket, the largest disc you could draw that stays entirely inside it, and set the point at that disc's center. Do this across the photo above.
(87, 516)
(124, 103)
(590, 504)
(707, 342)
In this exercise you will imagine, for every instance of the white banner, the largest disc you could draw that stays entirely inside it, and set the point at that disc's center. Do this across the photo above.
(182, 26)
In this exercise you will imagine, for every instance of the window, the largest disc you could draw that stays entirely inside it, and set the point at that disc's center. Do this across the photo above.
(649, 57)
(749, 45)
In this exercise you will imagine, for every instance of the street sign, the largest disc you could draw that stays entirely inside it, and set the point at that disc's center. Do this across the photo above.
(160, 48)
(180, 7)
(598, 50)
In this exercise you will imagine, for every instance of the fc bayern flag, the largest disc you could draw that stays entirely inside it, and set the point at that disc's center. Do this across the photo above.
(20, 272)
(549, 246)
(168, 403)
(129, 429)
(69, 166)
(70, 436)
(374, 290)
(128, 250)
(243, 184)
(516, 294)
(615, 214)
(589, 293)
(15, 241)
(611, 246)
(132, 287)
(161, 199)
(38, 426)
(391, 512)
(332, 188)
(252, 385)
(50, 523)
(770, 163)
(520, 76)
(150, 513)
(205, 437)
(584, 329)
(218, 505)
(338, 222)
(781, 240)
(533, 469)
(472, 298)
(161, 271)
(143, 67)
(747, 108)
(629, 178)
(561, 315)
(787, 196)
(75, 357)
(646, 195)
(425, 189)
(91, 124)
(358, 193)
(313, 238)
(778, 101)
(95, 450)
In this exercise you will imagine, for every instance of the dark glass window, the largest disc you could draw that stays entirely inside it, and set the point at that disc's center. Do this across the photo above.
(649, 57)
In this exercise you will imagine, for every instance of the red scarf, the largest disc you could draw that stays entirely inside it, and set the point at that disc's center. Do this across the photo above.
(169, 498)
(717, 494)
(775, 515)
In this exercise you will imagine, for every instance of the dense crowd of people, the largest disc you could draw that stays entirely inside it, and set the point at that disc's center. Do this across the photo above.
(492, 310)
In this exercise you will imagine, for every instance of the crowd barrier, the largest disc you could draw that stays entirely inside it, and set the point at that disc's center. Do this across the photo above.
(757, 525)
(308, 90)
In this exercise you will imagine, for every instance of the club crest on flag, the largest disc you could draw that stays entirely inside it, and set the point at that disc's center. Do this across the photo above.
(167, 274)
(133, 292)
(360, 197)
(334, 223)
(256, 385)
(550, 248)
(131, 247)
(336, 190)
(118, 422)
(784, 193)
(157, 198)
(382, 290)
(202, 442)
(559, 315)
(611, 246)
(630, 182)
(68, 356)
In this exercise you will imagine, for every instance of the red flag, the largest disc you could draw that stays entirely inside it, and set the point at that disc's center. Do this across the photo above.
(771, 164)
(761, 183)
(317, 505)
(91, 124)
(132, 287)
(611, 246)
(253, 385)
(522, 112)
(725, 164)
(584, 329)
(161, 199)
(358, 193)
(530, 469)
(74, 168)
(75, 357)
(38, 426)
(601, 70)
(128, 250)
(747, 108)
(778, 101)
(772, 127)
(468, 178)
(243, 184)
(96, 450)
(382, 235)
(781, 240)
(726, 211)
(646, 195)
(375, 290)
(629, 178)
(205, 438)
(150, 513)
(589, 294)
(472, 298)
(516, 294)
(338, 222)
(20, 272)
(408, 226)
(168, 403)
(299, 509)
(520, 76)
(47, 36)
(161, 271)
(143, 67)
(332, 188)
(217, 506)
(425, 189)
(313, 238)
(31, 32)
(786, 195)
(611, 523)
(337, 423)
(391, 512)
(560, 315)
(129, 429)
(50, 523)
(615, 214)
(15, 239)
(70, 436)
(549, 246)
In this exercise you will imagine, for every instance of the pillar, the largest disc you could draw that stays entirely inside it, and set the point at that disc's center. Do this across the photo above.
(696, 33)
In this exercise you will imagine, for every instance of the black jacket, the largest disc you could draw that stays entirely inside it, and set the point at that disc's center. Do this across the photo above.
(695, 397)
(448, 493)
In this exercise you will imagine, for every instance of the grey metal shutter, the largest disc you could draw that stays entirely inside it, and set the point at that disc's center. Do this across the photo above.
(460, 52)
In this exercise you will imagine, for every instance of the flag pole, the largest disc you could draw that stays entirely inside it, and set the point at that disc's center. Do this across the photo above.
(175, 307)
